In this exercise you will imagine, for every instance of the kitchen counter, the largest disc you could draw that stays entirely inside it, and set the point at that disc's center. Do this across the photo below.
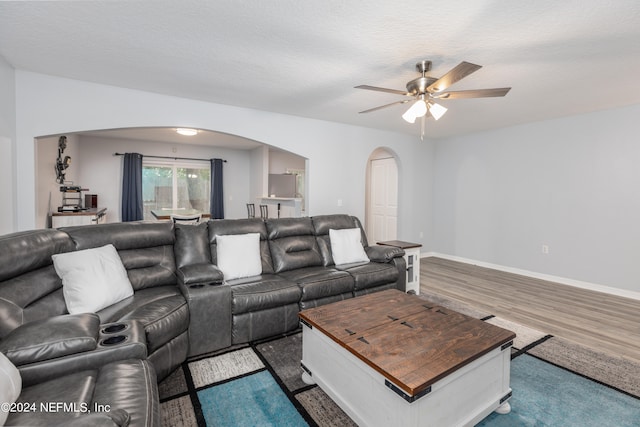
(83, 217)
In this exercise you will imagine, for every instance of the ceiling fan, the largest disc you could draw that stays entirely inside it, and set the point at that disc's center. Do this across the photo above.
(426, 90)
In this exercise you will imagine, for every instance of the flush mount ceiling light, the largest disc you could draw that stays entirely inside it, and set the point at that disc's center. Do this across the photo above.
(426, 89)
(187, 131)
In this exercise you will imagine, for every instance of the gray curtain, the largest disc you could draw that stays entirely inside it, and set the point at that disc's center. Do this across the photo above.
(132, 207)
(217, 196)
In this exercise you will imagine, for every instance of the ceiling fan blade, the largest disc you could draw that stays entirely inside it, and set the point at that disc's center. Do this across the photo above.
(477, 93)
(385, 106)
(382, 89)
(457, 73)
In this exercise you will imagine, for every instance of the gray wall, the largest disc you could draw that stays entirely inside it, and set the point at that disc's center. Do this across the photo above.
(7, 147)
(572, 184)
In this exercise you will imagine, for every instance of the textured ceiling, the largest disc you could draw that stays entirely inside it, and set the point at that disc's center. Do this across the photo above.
(304, 57)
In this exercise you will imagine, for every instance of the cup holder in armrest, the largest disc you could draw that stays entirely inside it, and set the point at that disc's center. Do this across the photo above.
(202, 285)
(116, 327)
(116, 339)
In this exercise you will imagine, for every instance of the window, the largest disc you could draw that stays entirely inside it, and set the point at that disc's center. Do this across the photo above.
(179, 184)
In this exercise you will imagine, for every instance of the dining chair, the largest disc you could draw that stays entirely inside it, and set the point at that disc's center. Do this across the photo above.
(264, 211)
(186, 219)
(251, 210)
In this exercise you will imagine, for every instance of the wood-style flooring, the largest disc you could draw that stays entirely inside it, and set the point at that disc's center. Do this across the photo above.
(598, 320)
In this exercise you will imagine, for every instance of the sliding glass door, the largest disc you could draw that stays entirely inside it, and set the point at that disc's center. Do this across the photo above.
(175, 185)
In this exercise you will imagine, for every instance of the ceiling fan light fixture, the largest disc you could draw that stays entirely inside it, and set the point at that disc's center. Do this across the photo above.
(187, 131)
(426, 89)
(409, 117)
(418, 109)
(436, 110)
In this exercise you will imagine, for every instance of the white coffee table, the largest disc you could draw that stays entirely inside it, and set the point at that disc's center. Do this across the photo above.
(392, 359)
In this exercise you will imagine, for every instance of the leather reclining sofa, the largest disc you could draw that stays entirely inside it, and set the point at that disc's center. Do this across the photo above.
(102, 368)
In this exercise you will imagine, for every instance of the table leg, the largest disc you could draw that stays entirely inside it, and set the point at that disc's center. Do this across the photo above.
(503, 409)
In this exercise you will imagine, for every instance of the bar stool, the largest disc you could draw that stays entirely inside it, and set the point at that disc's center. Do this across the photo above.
(264, 211)
(251, 210)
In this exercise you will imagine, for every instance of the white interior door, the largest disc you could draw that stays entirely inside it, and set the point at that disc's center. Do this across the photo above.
(382, 223)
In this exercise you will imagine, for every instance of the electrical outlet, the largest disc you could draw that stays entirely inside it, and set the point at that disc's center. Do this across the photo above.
(421, 235)
(339, 202)
(545, 249)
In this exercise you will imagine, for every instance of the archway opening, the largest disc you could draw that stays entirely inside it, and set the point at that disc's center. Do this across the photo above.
(94, 166)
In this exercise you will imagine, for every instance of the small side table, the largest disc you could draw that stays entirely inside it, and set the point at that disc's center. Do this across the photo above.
(412, 258)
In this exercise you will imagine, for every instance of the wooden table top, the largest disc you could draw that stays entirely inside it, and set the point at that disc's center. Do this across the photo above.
(410, 341)
(400, 244)
(163, 214)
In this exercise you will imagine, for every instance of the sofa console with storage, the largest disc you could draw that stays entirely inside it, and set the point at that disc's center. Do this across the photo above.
(91, 317)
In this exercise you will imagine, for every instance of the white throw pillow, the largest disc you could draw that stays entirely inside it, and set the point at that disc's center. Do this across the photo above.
(239, 255)
(346, 246)
(92, 279)
(10, 385)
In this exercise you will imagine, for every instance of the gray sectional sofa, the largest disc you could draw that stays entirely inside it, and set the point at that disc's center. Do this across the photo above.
(182, 305)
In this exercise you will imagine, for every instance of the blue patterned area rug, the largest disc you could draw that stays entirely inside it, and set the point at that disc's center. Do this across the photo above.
(252, 400)
(254, 385)
(554, 382)
(547, 395)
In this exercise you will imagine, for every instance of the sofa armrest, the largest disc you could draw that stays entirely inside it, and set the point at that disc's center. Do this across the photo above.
(209, 316)
(401, 265)
(200, 273)
(383, 253)
(115, 341)
(51, 338)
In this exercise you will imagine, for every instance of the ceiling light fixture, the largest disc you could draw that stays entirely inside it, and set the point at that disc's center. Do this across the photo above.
(426, 89)
(187, 132)
(418, 109)
(436, 110)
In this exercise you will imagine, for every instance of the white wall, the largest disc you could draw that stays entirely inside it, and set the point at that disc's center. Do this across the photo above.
(259, 173)
(337, 153)
(7, 144)
(572, 184)
(280, 161)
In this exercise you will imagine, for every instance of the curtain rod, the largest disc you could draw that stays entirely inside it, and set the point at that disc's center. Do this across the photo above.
(168, 157)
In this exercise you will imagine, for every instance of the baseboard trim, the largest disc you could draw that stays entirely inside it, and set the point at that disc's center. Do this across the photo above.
(562, 280)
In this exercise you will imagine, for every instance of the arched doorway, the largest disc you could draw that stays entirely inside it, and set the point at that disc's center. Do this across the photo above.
(382, 196)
